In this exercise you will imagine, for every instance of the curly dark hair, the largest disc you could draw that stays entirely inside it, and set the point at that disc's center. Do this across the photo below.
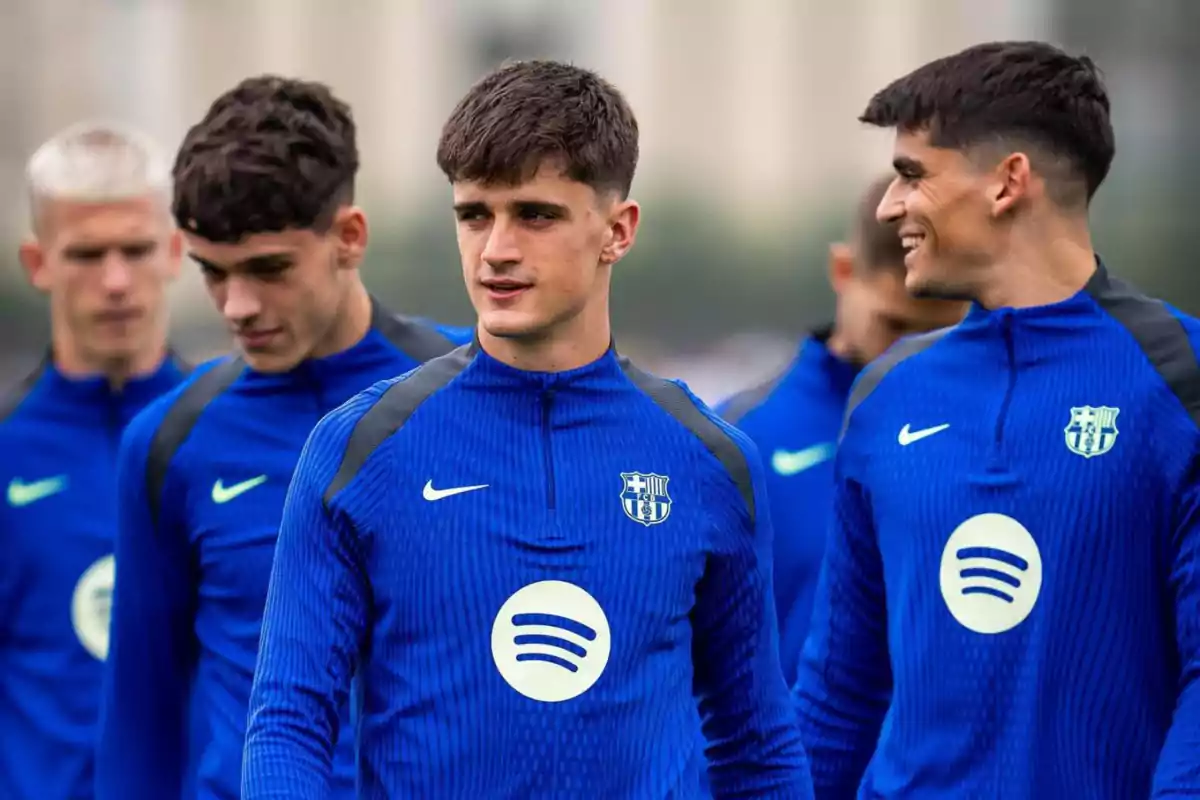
(271, 154)
(1023, 93)
(528, 112)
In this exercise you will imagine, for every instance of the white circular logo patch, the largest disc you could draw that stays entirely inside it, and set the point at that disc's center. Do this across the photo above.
(91, 606)
(551, 641)
(991, 573)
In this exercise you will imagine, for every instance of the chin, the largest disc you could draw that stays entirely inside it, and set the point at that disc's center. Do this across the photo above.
(505, 324)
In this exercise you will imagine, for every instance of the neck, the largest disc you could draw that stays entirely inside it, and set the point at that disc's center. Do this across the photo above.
(572, 344)
(1040, 267)
(73, 361)
(352, 323)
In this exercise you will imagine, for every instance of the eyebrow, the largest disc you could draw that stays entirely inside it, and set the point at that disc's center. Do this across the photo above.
(78, 250)
(540, 206)
(264, 262)
(907, 164)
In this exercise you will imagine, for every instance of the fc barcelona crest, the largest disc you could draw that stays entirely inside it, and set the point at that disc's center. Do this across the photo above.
(644, 497)
(1092, 430)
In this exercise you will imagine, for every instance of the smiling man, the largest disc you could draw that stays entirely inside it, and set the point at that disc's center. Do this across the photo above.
(795, 417)
(1009, 604)
(264, 191)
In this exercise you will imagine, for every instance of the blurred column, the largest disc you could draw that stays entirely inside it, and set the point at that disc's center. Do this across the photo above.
(140, 67)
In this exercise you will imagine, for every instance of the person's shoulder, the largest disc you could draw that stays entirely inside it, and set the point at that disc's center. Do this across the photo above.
(15, 396)
(731, 448)
(743, 408)
(1168, 337)
(166, 420)
(908, 354)
(358, 427)
(420, 339)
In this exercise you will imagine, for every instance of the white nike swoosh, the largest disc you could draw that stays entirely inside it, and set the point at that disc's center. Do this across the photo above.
(431, 494)
(792, 462)
(907, 437)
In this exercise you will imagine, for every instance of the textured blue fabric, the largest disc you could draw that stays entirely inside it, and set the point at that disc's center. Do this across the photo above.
(57, 525)
(596, 594)
(1010, 598)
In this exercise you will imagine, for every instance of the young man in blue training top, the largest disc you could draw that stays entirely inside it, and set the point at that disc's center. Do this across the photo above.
(795, 417)
(103, 249)
(549, 569)
(264, 190)
(1010, 599)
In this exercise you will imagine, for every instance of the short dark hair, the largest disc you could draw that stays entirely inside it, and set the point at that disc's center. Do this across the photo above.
(876, 244)
(271, 154)
(527, 112)
(1031, 94)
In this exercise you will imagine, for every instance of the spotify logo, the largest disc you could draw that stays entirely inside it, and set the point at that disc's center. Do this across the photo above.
(91, 606)
(991, 573)
(550, 641)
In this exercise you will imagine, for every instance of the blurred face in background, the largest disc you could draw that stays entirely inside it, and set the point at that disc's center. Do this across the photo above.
(940, 205)
(284, 294)
(537, 257)
(105, 267)
(874, 307)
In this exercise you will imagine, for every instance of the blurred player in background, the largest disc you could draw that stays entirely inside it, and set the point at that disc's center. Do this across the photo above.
(103, 250)
(530, 551)
(1012, 580)
(264, 190)
(795, 418)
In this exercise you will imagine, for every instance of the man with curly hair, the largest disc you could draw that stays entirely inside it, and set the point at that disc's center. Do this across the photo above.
(264, 194)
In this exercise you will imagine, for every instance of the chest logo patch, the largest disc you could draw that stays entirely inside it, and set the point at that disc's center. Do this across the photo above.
(551, 641)
(1092, 430)
(644, 497)
(91, 606)
(991, 573)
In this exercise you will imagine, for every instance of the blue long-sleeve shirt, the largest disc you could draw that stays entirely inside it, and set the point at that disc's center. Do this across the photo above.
(59, 437)
(1010, 602)
(529, 572)
(202, 478)
(794, 419)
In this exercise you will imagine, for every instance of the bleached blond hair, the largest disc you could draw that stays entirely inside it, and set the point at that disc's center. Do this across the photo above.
(97, 162)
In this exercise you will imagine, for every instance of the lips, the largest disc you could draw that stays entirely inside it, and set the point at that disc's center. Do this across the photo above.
(256, 340)
(504, 288)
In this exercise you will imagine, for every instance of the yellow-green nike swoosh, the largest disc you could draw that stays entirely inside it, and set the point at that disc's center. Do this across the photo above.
(223, 494)
(792, 462)
(22, 494)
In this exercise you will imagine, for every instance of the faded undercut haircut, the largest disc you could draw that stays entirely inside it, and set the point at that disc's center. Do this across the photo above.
(876, 244)
(527, 113)
(1001, 97)
(271, 154)
(96, 162)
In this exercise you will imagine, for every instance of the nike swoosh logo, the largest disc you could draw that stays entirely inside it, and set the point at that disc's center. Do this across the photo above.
(792, 462)
(907, 437)
(431, 494)
(22, 494)
(223, 494)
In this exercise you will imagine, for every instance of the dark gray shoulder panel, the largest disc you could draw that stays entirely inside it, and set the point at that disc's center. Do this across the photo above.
(1157, 331)
(178, 422)
(419, 341)
(675, 401)
(875, 372)
(16, 395)
(746, 401)
(393, 409)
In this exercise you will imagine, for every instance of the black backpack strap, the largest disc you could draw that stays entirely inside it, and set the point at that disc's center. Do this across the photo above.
(178, 422)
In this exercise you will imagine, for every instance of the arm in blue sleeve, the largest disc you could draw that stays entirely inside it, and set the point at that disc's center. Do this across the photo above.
(1178, 773)
(141, 746)
(313, 632)
(754, 745)
(844, 684)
